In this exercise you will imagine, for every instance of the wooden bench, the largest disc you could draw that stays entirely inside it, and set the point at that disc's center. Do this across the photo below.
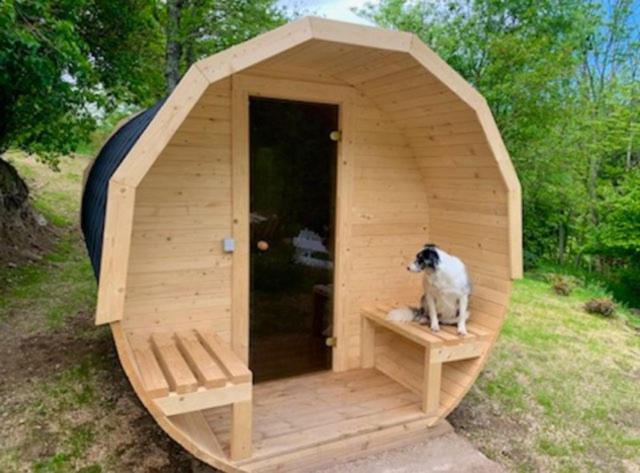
(439, 347)
(194, 370)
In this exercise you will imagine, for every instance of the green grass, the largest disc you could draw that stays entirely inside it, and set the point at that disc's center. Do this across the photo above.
(69, 392)
(62, 284)
(58, 287)
(566, 381)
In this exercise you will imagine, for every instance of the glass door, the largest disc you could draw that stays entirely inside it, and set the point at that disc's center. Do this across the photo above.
(292, 202)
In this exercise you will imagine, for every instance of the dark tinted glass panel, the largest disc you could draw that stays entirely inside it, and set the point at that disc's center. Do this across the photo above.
(292, 176)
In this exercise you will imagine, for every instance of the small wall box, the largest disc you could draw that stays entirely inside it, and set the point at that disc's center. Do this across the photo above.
(229, 245)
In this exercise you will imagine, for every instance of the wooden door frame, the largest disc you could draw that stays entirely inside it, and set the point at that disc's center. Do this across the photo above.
(244, 86)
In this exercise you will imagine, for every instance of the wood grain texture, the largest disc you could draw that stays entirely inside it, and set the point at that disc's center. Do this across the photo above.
(420, 160)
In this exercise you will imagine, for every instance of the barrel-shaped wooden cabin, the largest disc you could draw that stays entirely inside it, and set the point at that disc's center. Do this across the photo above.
(257, 225)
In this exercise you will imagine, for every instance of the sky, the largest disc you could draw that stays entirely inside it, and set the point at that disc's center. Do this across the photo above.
(333, 9)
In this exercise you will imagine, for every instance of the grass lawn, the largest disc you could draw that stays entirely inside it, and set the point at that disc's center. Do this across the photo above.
(560, 392)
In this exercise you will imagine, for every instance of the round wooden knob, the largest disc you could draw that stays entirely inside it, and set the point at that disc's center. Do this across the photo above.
(263, 245)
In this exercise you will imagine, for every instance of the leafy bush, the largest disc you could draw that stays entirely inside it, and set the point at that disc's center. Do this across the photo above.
(562, 284)
(601, 306)
(562, 288)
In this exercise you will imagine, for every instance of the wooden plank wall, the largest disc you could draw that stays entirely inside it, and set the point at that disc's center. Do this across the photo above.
(468, 208)
(178, 274)
(389, 220)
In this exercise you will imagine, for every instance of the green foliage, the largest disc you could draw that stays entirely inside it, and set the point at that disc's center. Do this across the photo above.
(561, 77)
(64, 62)
(618, 233)
(210, 26)
(198, 28)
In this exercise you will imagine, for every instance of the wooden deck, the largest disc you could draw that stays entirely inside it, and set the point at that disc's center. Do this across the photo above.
(298, 418)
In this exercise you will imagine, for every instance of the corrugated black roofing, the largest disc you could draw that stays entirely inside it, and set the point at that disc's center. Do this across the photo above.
(94, 197)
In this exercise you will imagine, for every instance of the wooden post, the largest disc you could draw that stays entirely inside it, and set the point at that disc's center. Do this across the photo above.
(431, 383)
(241, 427)
(368, 343)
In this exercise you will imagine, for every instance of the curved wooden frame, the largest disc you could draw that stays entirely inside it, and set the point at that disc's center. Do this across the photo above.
(406, 115)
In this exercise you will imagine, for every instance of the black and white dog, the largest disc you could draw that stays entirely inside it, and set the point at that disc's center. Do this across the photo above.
(447, 288)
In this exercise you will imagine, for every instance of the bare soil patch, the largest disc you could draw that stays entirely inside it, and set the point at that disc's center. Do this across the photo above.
(45, 395)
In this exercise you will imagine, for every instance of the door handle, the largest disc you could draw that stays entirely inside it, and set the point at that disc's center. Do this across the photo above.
(262, 245)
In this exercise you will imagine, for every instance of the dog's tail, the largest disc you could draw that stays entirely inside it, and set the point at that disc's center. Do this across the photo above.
(403, 314)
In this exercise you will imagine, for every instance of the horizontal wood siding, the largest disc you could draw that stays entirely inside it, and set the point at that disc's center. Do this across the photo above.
(389, 219)
(178, 274)
(468, 212)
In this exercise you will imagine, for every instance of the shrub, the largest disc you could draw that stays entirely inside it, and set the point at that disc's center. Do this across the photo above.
(562, 284)
(602, 306)
(562, 288)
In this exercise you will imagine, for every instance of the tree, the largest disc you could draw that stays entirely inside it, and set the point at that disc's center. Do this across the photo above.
(62, 64)
(199, 28)
(561, 77)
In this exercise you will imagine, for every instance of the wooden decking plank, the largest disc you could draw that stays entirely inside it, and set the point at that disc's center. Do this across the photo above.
(180, 377)
(324, 433)
(231, 363)
(205, 368)
(153, 379)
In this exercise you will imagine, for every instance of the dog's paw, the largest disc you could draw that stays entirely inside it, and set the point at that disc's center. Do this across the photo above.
(435, 328)
(462, 332)
(422, 320)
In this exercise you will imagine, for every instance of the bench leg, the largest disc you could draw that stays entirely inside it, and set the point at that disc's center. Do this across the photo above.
(241, 428)
(368, 343)
(431, 384)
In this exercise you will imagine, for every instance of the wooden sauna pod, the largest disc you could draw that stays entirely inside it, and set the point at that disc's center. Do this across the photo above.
(166, 217)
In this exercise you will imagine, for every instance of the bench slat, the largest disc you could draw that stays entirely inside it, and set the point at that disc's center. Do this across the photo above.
(478, 330)
(409, 330)
(205, 368)
(235, 368)
(153, 380)
(444, 335)
(449, 334)
(180, 377)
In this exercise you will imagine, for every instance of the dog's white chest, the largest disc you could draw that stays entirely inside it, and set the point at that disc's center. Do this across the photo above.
(446, 295)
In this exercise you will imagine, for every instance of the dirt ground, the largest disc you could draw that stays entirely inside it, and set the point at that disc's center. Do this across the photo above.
(90, 395)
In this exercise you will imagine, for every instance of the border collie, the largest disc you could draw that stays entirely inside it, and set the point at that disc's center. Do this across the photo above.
(447, 288)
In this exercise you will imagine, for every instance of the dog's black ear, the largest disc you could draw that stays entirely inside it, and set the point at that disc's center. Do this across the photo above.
(429, 245)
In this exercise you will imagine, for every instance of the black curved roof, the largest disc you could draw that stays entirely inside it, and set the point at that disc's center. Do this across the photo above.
(94, 197)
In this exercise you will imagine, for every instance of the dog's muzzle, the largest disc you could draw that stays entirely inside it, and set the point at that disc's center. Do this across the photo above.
(414, 267)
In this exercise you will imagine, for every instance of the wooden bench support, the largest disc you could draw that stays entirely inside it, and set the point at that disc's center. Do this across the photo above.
(431, 384)
(438, 348)
(241, 430)
(194, 370)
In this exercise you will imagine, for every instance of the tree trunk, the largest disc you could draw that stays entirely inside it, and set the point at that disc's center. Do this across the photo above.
(174, 44)
(23, 233)
(592, 192)
(562, 241)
